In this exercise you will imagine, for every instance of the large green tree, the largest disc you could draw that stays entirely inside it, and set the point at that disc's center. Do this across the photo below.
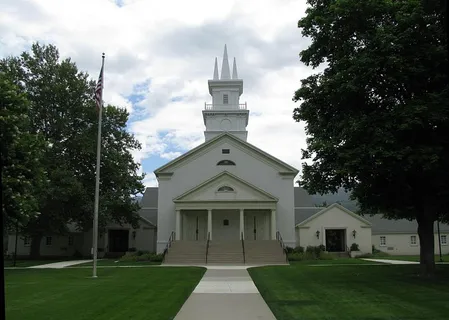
(377, 116)
(63, 111)
(20, 152)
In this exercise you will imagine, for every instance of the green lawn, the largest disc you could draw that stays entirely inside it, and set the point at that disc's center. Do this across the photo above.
(117, 293)
(353, 292)
(112, 262)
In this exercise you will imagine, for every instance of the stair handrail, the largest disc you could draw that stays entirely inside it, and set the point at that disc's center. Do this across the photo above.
(169, 243)
(207, 245)
(243, 247)
(281, 242)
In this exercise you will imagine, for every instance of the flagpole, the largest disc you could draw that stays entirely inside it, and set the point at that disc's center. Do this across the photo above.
(97, 178)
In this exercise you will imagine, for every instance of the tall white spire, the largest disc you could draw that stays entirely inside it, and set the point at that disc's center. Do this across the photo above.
(216, 70)
(225, 72)
(234, 70)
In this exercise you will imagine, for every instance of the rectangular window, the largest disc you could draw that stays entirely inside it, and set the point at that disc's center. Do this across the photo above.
(383, 241)
(443, 239)
(70, 240)
(413, 240)
(225, 99)
(225, 151)
(48, 241)
(26, 241)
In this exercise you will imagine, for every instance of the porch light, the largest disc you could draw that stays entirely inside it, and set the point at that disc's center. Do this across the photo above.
(354, 233)
(134, 234)
(318, 234)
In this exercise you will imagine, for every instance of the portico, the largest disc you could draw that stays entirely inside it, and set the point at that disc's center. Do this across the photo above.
(225, 221)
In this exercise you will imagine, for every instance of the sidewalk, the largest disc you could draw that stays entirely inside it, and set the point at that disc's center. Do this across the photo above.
(225, 293)
(59, 265)
(391, 261)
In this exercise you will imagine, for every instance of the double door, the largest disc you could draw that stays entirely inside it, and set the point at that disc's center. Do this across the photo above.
(196, 227)
(256, 226)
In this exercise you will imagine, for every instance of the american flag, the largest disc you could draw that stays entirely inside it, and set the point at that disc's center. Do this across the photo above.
(99, 90)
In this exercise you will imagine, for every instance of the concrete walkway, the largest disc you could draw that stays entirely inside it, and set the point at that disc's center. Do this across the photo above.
(225, 293)
(392, 261)
(59, 265)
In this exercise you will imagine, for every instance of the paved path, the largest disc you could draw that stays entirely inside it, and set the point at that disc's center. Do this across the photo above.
(225, 293)
(392, 261)
(59, 265)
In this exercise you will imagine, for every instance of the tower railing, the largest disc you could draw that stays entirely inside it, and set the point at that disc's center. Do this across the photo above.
(211, 106)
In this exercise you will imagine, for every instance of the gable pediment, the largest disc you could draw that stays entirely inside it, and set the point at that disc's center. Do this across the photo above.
(284, 169)
(225, 187)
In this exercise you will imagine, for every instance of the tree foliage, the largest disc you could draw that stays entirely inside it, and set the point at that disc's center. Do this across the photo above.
(377, 116)
(21, 152)
(62, 110)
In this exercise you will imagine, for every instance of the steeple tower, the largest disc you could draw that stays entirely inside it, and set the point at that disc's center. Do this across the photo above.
(225, 113)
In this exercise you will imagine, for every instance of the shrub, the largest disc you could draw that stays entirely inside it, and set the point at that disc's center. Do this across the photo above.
(77, 254)
(141, 252)
(354, 247)
(311, 253)
(157, 257)
(316, 251)
(132, 249)
(299, 249)
(289, 250)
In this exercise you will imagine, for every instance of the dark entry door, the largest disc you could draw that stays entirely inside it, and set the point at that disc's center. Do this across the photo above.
(118, 240)
(335, 240)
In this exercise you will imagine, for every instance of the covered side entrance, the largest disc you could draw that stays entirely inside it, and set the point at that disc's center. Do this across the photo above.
(118, 241)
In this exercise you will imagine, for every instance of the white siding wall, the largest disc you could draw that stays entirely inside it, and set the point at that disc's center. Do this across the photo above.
(400, 244)
(252, 170)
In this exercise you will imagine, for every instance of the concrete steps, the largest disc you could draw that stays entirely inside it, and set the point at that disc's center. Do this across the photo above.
(186, 253)
(264, 252)
(225, 253)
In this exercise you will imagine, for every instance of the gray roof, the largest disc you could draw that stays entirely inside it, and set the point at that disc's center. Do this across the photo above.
(304, 213)
(380, 225)
(309, 204)
(148, 205)
(149, 198)
(302, 198)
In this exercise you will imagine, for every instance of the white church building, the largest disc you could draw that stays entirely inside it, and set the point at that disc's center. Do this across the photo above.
(229, 201)
(226, 188)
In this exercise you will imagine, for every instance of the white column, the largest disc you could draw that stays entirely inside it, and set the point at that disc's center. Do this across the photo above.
(209, 222)
(242, 224)
(178, 225)
(273, 224)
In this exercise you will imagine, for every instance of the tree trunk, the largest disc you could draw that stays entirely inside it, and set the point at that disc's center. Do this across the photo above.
(35, 250)
(427, 244)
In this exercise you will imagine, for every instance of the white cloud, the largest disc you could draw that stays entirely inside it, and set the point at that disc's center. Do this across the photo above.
(172, 45)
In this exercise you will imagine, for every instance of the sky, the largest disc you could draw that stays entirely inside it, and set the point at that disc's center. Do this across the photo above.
(160, 54)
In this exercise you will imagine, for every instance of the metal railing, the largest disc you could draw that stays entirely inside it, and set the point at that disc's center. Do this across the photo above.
(281, 242)
(169, 243)
(216, 106)
(243, 248)
(207, 245)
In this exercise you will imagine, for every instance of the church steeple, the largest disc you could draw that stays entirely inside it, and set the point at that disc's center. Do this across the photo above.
(216, 70)
(225, 72)
(234, 70)
(226, 113)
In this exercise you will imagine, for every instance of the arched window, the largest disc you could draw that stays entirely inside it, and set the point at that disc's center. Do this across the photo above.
(225, 189)
(226, 163)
